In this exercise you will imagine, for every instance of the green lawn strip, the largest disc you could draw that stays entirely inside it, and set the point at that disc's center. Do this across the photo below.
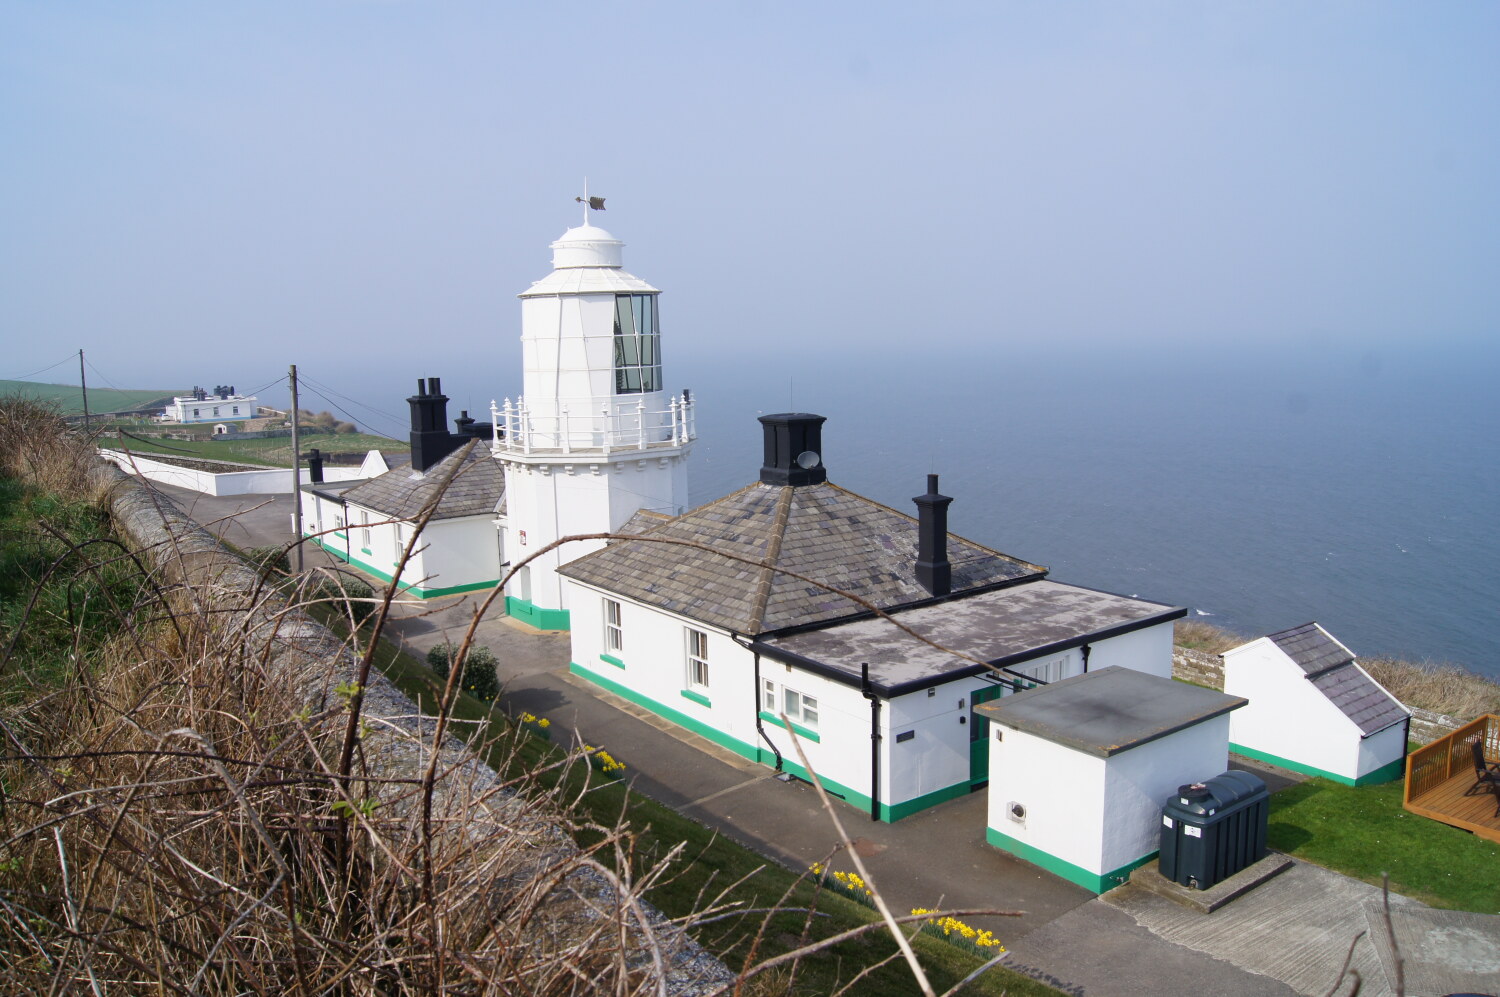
(273, 451)
(1362, 831)
(711, 862)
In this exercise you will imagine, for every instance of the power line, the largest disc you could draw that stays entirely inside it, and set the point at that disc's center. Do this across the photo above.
(352, 418)
(27, 377)
(351, 401)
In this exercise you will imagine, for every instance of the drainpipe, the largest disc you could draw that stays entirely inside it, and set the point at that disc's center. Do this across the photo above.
(1086, 649)
(864, 685)
(760, 728)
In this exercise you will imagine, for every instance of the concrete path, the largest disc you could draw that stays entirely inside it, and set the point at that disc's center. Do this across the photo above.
(1290, 936)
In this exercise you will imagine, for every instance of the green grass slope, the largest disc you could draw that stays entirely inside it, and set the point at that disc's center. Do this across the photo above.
(69, 397)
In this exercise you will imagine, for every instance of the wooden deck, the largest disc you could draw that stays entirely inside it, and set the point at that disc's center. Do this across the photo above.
(1440, 780)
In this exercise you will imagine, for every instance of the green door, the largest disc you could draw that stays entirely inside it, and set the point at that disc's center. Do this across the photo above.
(979, 740)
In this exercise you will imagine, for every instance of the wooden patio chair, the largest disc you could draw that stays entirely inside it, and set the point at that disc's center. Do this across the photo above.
(1486, 774)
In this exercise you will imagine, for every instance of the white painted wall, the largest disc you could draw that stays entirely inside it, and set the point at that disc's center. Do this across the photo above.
(937, 756)
(1096, 813)
(186, 408)
(1148, 650)
(1289, 717)
(271, 481)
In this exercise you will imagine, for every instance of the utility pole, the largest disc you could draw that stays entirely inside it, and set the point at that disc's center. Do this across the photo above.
(296, 478)
(85, 386)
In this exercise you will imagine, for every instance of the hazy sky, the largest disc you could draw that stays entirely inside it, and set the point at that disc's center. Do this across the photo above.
(197, 192)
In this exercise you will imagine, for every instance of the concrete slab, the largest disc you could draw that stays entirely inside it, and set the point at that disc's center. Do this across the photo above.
(1207, 901)
(1297, 928)
(1442, 951)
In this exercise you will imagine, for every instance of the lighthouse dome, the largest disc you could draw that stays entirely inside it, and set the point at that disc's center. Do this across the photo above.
(586, 246)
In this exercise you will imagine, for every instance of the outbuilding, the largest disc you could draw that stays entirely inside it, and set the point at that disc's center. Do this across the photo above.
(1313, 709)
(1080, 769)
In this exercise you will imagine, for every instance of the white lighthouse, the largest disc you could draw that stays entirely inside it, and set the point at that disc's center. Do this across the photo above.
(594, 438)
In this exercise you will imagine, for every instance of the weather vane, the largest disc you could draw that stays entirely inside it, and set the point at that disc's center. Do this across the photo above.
(589, 203)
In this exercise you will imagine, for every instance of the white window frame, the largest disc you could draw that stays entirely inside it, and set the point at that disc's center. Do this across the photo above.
(801, 709)
(1049, 671)
(364, 530)
(697, 660)
(768, 696)
(614, 630)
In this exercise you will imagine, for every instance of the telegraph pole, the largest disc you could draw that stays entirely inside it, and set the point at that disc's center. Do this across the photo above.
(296, 478)
(85, 386)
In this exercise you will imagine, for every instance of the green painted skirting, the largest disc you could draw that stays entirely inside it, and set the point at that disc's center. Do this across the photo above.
(765, 756)
(416, 590)
(697, 697)
(1385, 773)
(801, 731)
(537, 616)
(1092, 881)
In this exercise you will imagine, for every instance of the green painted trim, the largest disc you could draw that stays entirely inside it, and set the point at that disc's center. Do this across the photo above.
(340, 536)
(366, 550)
(1386, 773)
(537, 616)
(1094, 882)
(679, 718)
(897, 811)
(610, 659)
(697, 697)
(800, 730)
(1287, 763)
(416, 590)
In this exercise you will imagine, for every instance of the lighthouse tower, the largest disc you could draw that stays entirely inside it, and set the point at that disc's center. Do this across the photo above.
(595, 437)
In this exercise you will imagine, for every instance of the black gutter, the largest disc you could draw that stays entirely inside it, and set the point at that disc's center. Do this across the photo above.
(900, 689)
(874, 740)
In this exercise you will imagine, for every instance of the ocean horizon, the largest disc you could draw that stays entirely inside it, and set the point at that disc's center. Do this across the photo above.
(1261, 488)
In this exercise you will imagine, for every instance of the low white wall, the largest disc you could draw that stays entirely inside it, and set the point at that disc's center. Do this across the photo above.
(271, 481)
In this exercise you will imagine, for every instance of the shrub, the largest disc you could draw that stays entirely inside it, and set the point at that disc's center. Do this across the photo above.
(269, 560)
(346, 589)
(479, 678)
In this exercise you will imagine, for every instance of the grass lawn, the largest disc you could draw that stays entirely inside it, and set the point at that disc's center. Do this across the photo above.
(273, 452)
(712, 862)
(69, 397)
(1362, 831)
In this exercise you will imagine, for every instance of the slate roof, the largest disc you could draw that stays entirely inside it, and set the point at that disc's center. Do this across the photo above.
(478, 486)
(1331, 668)
(820, 531)
(1003, 626)
(1312, 647)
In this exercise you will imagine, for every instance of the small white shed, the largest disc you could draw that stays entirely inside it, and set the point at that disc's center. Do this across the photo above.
(1313, 709)
(1080, 769)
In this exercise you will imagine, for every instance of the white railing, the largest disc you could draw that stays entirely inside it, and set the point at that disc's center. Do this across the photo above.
(580, 427)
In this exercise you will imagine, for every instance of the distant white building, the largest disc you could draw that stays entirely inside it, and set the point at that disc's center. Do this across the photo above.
(221, 404)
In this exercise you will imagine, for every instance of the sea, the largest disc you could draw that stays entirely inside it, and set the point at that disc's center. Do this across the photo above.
(1261, 487)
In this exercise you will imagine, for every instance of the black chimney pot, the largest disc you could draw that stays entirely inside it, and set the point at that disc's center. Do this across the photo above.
(934, 573)
(430, 439)
(794, 449)
(315, 466)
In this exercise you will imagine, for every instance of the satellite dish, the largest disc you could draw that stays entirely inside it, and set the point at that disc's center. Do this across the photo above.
(808, 459)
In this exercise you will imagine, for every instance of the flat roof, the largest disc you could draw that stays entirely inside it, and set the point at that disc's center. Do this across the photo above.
(1111, 710)
(998, 627)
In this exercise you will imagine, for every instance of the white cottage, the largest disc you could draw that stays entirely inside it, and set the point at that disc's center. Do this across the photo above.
(369, 522)
(761, 605)
(1081, 769)
(1313, 709)
(223, 404)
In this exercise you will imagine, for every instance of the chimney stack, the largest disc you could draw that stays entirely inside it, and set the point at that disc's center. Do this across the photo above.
(934, 573)
(315, 466)
(430, 439)
(794, 449)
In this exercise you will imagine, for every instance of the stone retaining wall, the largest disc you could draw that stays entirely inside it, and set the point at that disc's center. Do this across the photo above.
(295, 650)
(1427, 726)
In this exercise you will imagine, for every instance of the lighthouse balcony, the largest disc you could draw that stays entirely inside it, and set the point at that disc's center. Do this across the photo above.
(583, 427)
